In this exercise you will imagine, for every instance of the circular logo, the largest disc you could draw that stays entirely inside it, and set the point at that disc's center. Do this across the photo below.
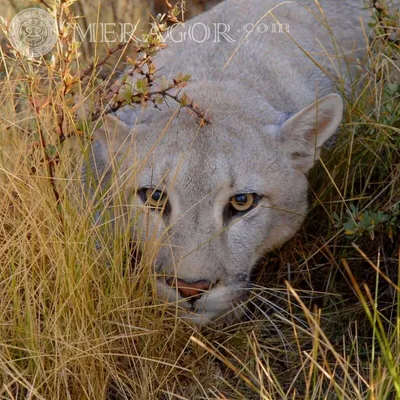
(33, 32)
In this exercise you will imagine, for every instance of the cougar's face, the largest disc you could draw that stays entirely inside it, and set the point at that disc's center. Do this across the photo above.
(212, 200)
(212, 205)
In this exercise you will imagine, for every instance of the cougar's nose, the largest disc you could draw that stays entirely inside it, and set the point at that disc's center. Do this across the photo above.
(186, 289)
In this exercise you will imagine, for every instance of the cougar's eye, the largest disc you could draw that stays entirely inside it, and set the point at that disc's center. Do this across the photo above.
(153, 197)
(243, 202)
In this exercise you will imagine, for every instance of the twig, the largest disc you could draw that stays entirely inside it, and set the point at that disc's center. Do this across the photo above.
(183, 100)
(49, 163)
(45, 4)
(382, 12)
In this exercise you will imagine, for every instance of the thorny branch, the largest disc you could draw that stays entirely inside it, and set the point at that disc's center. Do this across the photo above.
(122, 92)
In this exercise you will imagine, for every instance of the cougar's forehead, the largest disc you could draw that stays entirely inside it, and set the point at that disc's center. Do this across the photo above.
(201, 159)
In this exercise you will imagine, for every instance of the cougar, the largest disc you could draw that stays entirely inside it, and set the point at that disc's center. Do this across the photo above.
(215, 198)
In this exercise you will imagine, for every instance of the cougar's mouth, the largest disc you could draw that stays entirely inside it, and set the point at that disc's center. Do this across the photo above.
(216, 305)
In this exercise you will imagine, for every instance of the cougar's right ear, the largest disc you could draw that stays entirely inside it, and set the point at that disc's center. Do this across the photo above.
(108, 142)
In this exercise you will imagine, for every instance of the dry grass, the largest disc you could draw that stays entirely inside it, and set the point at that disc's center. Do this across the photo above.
(78, 317)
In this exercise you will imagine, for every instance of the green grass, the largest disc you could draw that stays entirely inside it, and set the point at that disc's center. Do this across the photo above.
(78, 316)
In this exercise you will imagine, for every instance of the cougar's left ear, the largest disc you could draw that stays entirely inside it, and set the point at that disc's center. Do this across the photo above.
(112, 133)
(304, 133)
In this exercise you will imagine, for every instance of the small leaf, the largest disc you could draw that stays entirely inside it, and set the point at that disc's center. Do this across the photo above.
(184, 101)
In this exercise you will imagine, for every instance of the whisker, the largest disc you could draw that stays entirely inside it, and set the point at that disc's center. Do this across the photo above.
(279, 310)
(284, 341)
